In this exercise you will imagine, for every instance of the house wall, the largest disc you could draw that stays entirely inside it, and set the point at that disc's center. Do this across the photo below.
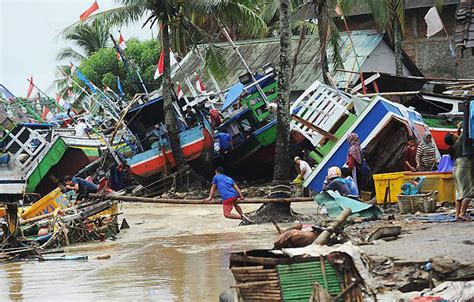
(433, 55)
(382, 59)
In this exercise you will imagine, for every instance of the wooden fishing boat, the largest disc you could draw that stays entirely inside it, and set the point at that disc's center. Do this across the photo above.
(383, 128)
(156, 157)
(48, 204)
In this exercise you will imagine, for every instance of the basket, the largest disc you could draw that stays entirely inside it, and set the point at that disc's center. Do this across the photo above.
(423, 202)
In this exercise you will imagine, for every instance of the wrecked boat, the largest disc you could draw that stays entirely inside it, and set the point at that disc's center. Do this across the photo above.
(154, 156)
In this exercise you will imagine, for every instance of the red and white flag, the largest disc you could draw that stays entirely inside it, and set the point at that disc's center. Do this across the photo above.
(46, 115)
(161, 63)
(69, 78)
(180, 93)
(122, 45)
(32, 91)
(89, 11)
(199, 85)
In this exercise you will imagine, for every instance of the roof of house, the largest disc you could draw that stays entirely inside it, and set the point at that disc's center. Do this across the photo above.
(464, 32)
(260, 52)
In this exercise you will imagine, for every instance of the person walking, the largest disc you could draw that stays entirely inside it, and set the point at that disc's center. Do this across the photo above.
(230, 193)
(354, 158)
(304, 170)
(426, 154)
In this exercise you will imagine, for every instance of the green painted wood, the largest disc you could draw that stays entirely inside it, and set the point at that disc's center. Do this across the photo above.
(257, 104)
(296, 280)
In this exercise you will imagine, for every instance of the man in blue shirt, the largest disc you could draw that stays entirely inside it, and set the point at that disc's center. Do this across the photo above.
(230, 193)
(225, 141)
(81, 186)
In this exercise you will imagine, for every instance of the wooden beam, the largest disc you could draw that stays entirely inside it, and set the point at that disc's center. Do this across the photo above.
(313, 127)
(198, 201)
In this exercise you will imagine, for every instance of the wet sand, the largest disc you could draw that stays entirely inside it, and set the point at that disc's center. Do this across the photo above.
(170, 253)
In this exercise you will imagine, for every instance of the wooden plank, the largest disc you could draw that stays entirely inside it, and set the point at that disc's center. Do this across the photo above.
(315, 128)
(250, 259)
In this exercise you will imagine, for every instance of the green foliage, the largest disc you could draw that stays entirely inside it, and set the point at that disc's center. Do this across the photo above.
(102, 67)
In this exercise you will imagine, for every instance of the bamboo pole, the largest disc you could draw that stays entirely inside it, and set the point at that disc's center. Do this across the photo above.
(400, 93)
(198, 201)
(327, 233)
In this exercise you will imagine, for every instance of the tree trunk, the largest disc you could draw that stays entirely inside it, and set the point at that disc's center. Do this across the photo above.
(323, 40)
(282, 160)
(281, 212)
(397, 43)
(170, 118)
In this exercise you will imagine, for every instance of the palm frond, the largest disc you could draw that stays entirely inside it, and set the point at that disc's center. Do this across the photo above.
(270, 11)
(69, 54)
(215, 62)
(308, 26)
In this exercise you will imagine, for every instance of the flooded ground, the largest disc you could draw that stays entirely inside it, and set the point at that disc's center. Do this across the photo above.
(170, 253)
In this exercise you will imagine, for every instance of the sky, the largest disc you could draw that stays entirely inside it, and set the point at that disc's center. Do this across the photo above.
(29, 39)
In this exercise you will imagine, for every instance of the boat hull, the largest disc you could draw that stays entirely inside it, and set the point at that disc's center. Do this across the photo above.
(148, 166)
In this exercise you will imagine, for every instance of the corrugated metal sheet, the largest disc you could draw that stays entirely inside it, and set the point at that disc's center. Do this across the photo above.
(464, 32)
(260, 52)
(296, 280)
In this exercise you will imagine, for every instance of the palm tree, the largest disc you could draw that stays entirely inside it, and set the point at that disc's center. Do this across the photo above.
(181, 16)
(87, 38)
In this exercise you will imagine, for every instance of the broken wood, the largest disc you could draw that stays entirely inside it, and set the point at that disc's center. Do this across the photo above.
(314, 128)
(345, 291)
(400, 93)
(254, 284)
(329, 230)
(198, 201)
(385, 231)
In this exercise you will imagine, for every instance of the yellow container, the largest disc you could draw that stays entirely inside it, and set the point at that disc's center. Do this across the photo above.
(391, 182)
(434, 181)
(55, 199)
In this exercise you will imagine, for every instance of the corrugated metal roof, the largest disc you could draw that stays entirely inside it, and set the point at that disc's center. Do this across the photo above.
(464, 33)
(260, 52)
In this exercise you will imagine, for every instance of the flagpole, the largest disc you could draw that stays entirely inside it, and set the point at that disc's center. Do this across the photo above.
(90, 96)
(134, 66)
(55, 103)
(259, 88)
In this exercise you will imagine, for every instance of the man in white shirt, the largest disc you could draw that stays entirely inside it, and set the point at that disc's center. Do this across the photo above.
(304, 168)
(305, 171)
(81, 128)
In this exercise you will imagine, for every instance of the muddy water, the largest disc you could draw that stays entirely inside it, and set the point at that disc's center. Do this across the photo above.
(171, 253)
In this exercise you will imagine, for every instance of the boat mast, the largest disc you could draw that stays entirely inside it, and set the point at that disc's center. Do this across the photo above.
(259, 88)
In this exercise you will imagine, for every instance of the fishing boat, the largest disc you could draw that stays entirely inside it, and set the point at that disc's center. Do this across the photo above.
(155, 157)
(378, 120)
(252, 128)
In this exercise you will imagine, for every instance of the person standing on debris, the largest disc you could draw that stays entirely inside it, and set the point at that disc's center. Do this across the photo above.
(81, 186)
(334, 182)
(463, 178)
(225, 141)
(304, 170)
(216, 118)
(230, 193)
(409, 155)
(81, 128)
(354, 157)
(426, 154)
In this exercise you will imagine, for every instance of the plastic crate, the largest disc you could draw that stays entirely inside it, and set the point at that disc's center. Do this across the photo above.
(424, 202)
(391, 182)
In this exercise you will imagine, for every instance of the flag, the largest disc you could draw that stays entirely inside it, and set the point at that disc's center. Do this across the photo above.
(62, 102)
(86, 81)
(122, 45)
(119, 86)
(69, 78)
(159, 68)
(434, 22)
(180, 93)
(199, 85)
(338, 11)
(89, 11)
(32, 91)
(46, 115)
(121, 42)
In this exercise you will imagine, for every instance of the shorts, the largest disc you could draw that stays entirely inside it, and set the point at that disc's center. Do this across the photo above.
(228, 204)
(463, 178)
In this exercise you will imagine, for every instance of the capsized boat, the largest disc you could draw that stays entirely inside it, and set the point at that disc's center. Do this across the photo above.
(383, 128)
(154, 155)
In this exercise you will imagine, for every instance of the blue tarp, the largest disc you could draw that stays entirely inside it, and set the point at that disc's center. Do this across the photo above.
(335, 204)
(446, 164)
(232, 96)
